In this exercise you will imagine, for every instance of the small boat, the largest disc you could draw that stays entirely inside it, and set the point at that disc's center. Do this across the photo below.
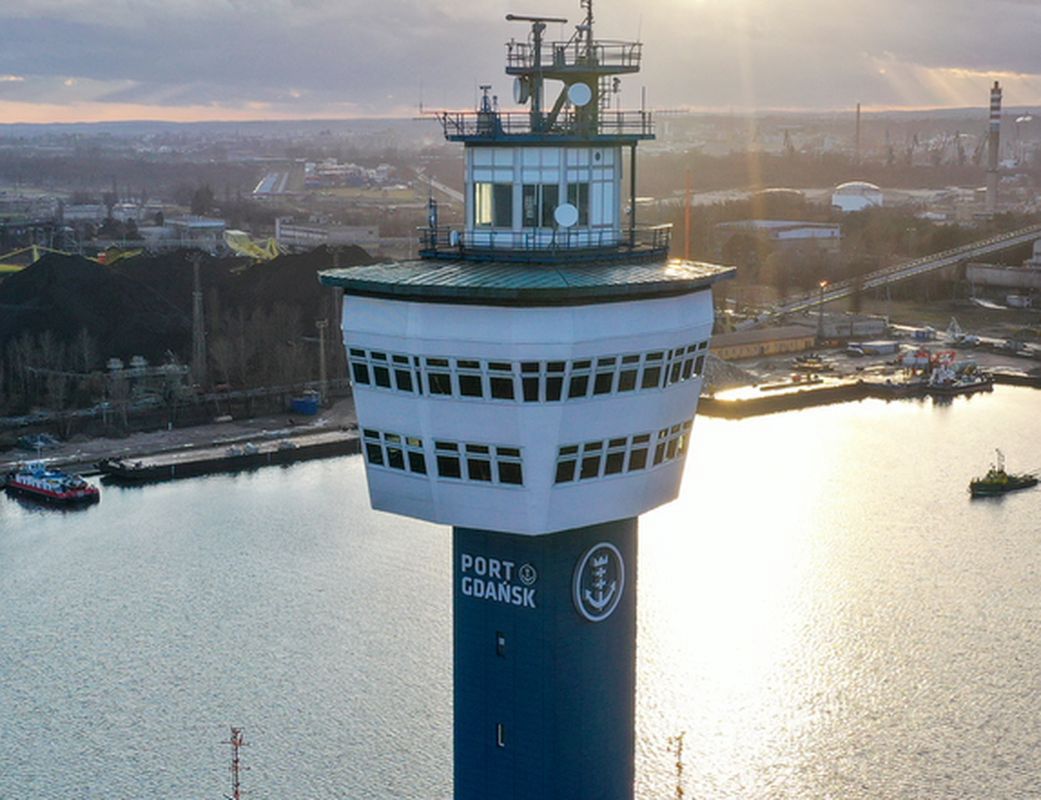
(998, 481)
(37, 481)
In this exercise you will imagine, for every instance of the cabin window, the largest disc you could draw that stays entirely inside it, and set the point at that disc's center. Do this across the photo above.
(493, 205)
(578, 196)
(539, 201)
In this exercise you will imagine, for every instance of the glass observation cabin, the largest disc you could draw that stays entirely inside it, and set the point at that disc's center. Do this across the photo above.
(545, 184)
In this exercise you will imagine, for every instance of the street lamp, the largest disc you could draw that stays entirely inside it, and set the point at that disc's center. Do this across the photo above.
(820, 313)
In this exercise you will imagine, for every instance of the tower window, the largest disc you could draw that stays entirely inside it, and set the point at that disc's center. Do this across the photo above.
(554, 380)
(604, 376)
(470, 382)
(510, 472)
(539, 201)
(361, 371)
(530, 381)
(493, 205)
(382, 376)
(501, 380)
(578, 196)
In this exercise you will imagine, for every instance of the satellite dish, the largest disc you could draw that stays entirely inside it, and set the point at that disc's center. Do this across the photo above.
(566, 215)
(579, 94)
(520, 91)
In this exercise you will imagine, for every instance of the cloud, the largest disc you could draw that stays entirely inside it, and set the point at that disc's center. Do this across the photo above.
(302, 56)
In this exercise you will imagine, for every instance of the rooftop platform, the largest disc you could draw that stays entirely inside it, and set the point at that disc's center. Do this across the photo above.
(575, 56)
(516, 284)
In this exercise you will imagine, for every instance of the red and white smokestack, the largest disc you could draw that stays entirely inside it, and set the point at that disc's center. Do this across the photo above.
(992, 147)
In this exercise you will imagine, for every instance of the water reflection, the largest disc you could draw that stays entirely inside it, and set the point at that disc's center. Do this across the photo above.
(819, 607)
(823, 611)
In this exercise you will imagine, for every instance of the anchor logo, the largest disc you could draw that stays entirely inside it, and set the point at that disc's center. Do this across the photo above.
(599, 582)
(527, 574)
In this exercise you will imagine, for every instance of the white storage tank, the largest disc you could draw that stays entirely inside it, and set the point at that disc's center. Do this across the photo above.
(856, 196)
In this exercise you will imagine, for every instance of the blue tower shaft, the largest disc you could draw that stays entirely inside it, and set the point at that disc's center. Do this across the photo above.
(545, 691)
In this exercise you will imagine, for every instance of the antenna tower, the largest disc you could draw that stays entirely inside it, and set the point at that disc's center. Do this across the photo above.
(237, 741)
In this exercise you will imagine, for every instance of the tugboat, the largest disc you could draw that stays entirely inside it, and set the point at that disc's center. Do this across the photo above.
(35, 480)
(945, 382)
(998, 481)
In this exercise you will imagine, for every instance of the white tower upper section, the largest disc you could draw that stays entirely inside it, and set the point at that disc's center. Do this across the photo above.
(539, 368)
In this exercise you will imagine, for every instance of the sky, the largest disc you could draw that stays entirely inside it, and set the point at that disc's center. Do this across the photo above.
(182, 60)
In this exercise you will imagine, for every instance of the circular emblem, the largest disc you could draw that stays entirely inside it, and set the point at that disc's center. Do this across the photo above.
(599, 582)
(527, 574)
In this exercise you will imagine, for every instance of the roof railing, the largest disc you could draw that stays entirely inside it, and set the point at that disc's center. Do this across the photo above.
(538, 243)
(495, 124)
(575, 55)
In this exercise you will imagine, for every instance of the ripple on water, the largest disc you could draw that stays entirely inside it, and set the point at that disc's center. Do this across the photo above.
(823, 612)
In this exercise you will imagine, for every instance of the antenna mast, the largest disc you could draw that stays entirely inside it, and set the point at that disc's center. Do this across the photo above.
(237, 741)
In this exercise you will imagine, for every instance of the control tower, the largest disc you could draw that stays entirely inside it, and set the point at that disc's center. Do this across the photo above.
(531, 380)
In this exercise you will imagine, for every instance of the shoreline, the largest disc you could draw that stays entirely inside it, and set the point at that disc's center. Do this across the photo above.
(860, 389)
(81, 454)
(204, 449)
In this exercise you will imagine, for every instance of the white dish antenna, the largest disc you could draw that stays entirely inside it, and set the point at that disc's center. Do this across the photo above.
(566, 215)
(579, 94)
(521, 93)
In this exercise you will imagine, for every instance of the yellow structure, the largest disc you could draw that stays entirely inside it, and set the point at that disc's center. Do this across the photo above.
(242, 245)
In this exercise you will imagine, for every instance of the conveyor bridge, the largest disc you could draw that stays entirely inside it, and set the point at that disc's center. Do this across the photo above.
(899, 272)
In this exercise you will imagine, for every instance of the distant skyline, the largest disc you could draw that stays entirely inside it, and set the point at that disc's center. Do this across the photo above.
(187, 60)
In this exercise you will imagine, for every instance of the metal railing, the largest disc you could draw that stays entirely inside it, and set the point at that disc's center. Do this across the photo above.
(492, 124)
(444, 242)
(575, 55)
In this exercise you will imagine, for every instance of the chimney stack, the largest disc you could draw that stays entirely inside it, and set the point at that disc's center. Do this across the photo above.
(993, 140)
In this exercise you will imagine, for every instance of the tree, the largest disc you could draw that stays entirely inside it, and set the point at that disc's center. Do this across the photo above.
(202, 200)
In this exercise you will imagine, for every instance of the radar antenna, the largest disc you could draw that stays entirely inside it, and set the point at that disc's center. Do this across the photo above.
(538, 27)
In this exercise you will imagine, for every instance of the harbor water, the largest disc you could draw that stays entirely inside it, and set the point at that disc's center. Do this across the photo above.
(823, 613)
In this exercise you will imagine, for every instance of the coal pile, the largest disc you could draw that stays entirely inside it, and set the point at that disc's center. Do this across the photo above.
(143, 305)
(68, 294)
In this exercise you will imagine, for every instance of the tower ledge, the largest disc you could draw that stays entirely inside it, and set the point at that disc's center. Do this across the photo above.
(520, 284)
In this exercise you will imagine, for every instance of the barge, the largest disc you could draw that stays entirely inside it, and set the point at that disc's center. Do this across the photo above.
(216, 459)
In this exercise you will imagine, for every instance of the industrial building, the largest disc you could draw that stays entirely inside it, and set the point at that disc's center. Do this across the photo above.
(292, 235)
(763, 342)
(781, 235)
(1025, 278)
